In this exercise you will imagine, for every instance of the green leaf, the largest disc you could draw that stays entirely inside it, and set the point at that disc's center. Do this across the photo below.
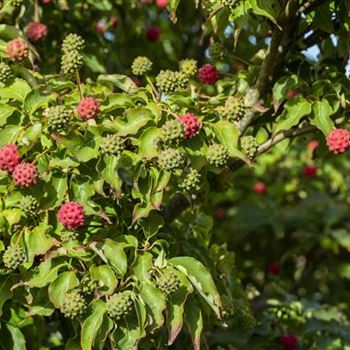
(104, 274)
(117, 80)
(116, 256)
(320, 117)
(5, 112)
(35, 100)
(282, 86)
(267, 8)
(148, 142)
(323, 18)
(9, 134)
(194, 321)
(63, 283)
(108, 170)
(92, 324)
(5, 290)
(173, 5)
(18, 90)
(32, 134)
(201, 279)
(19, 341)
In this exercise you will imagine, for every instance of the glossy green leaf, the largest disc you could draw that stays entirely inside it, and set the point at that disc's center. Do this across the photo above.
(320, 117)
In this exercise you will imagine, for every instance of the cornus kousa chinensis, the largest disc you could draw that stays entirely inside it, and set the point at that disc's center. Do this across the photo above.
(191, 123)
(208, 74)
(25, 174)
(88, 108)
(153, 33)
(338, 141)
(289, 341)
(17, 50)
(71, 215)
(162, 3)
(9, 157)
(310, 170)
(259, 188)
(36, 31)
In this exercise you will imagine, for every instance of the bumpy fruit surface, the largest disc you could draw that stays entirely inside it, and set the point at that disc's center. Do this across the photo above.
(59, 117)
(243, 315)
(162, 3)
(189, 67)
(88, 286)
(112, 144)
(71, 215)
(73, 42)
(190, 180)
(88, 108)
(338, 141)
(171, 159)
(29, 205)
(36, 31)
(217, 51)
(67, 236)
(249, 146)
(74, 304)
(168, 81)
(234, 108)
(119, 305)
(167, 282)
(172, 132)
(289, 341)
(153, 33)
(217, 155)
(141, 65)
(5, 73)
(231, 4)
(25, 174)
(9, 157)
(17, 50)
(14, 256)
(208, 74)
(191, 123)
(71, 62)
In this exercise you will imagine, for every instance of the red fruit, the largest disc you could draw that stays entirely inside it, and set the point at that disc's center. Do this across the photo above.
(17, 50)
(71, 215)
(274, 268)
(114, 21)
(9, 157)
(25, 174)
(191, 123)
(36, 31)
(47, 2)
(291, 93)
(88, 108)
(259, 188)
(338, 141)
(310, 170)
(153, 33)
(220, 212)
(162, 3)
(100, 27)
(208, 74)
(289, 341)
(313, 144)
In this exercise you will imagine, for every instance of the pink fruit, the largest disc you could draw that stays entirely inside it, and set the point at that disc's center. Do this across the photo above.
(71, 215)
(17, 50)
(9, 157)
(36, 31)
(274, 268)
(191, 123)
(259, 188)
(338, 141)
(289, 341)
(208, 74)
(88, 108)
(25, 174)
(310, 170)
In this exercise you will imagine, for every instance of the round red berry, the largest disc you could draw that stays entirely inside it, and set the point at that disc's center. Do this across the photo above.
(153, 33)
(9, 157)
(310, 170)
(162, 3)
(289, 341)
(88, 108)
(208, 74)
(259, 188)
(274, 268)
(338, 141)
(220, 212)
(47, 2)
(36, 31)
(71, 215)
(17, 50)
(25, 174)
(191, 123)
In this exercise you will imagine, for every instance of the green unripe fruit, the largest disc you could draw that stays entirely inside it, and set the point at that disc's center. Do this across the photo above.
(29, 205)
(167, 282)
(73, 42)
(58, 118)
(169, 81)
(112, 144)
(119, 305)
(231, 4)
(170, 159)
(14, 256)
(88, 286)
(242, 315)
(74, 304)
(234, 108)
(188, 66)
(190, 180)
(67, 236)
(172, 132)
(217, 155)
(141, 65)
(71, 62)
(217, 51)
(249, 146)
(5, 73)
(16, 3)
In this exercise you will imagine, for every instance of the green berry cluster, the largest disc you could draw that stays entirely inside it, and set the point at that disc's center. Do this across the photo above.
(29, 205)
(168, 81)
(5, 73)
(72, 59)
(231, 4)
(217, 51)
(170, 159)
(234, 108)
(88, 286)
(119, 305)
(217, 155)
(189, 67)
(242, 315)
(67, 236)
(58, 117)
(74, 304)
(172, 132)
(14, 256)
(249, 146)
(112, 144)
(141, 65)
(190, 180)
(167, 282)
